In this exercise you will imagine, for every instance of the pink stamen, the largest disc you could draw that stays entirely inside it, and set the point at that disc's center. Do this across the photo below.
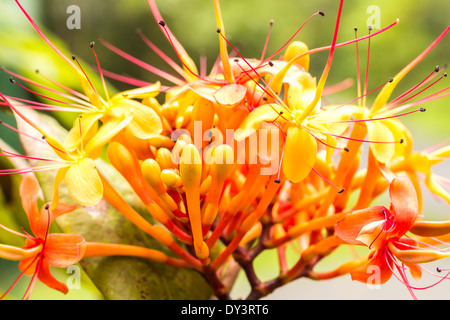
(142, 64)
(161, 54)
(267, 40)
(100, 70)
(293, 36)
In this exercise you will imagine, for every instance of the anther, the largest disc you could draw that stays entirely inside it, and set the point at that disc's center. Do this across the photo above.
(12, 80)
(438, 269)
(271, 22)
(342, 190)
(74, 58)
(391, 79)
(355, 28)
(47, 206)
(277, 180)
(346, 149)
(370, 28)
(401, 140)
(44, 137)
(162, 23)
(37, 70)
(422, 109)
(445, 74)
(218, 30)
(271, 63)
(321, 13)
(92, 44)
(281, 112)
(436, 69)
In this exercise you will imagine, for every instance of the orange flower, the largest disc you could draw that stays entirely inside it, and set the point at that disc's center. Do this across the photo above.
(43, 249)
(385, 231)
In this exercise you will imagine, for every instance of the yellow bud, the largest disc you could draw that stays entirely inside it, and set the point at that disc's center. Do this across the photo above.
(191, 174)
(164, 158)
(171, 179)
(152, 174)
(293, 50)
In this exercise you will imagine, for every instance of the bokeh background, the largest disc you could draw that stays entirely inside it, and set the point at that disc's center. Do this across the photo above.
(246, 25)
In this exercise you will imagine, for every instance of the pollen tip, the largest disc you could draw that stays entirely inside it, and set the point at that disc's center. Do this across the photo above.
(423, 109)
(436, 69)
(162, 23)
(271, 63)
(370, 28)
(218, 30)
(92, 44)
(37, 71)
(44, 137)
(346, 149)
(438, 269)
(445, 74)
(74, 58)
(138, 31)
(12, 80)
(355, 28)
(321, 13)
(271, 22)
(277, 180)
(391, 79)
(402, 140)
(342, 190)
(47, 206)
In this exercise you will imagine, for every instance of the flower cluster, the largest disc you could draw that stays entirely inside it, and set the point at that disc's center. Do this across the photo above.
(230, 163)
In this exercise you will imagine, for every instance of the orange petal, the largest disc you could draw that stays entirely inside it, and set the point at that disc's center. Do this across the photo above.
(376, 272)
(404, 203)
(299, 154)
(83, 182)
(349, 227)
(29, 193)
(63, 250)
(46, 277)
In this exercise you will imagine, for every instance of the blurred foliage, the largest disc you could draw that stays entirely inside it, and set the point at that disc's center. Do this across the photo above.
(246, 26)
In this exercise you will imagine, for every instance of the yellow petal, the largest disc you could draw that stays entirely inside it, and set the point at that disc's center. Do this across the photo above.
(83, 183)
(301, 92)
(293, 50)
(146, 122)
(266, 112)
(230, 95)
(107, 131)
(16, 253)
(88, 122)
(299, 154)
(140, 93)
(382, 146)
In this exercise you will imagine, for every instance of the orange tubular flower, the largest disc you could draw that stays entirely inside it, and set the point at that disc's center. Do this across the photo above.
(43, 249)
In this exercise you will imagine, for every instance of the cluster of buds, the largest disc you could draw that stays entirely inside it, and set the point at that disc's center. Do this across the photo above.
(230, 163)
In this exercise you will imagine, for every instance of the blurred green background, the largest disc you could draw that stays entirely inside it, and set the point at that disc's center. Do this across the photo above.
(246, 26)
